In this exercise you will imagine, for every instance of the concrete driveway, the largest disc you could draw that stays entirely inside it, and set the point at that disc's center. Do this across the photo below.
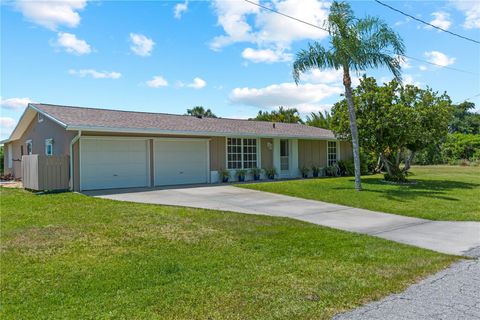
(449, 237)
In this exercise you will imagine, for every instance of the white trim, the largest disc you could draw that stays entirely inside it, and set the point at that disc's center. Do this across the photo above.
(258, 146)
(80, 163)
(29, 142)
(48, 116)
(75, 139)
(337, 149)
(48, 141)
(259, 153)
(191, 133)
(10, 156)
(113, 138)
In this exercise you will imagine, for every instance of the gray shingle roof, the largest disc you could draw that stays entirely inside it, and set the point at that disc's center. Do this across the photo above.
(98, 119)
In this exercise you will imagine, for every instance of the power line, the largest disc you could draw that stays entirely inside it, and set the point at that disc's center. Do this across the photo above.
(286, 15)
(427, 23)
(318, 27)
(439, 65)
(460, 101)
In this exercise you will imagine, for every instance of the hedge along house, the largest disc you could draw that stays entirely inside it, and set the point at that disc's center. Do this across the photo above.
(122, 149)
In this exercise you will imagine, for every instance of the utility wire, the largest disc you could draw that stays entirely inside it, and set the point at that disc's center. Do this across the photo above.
(427, 23)
(318, 27)
(286, 15)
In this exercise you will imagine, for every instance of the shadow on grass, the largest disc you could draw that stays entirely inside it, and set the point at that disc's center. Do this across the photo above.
(437, 189)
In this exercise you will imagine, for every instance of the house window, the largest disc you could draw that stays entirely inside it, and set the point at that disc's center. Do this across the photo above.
(49, 147)
(40, 118)
(29, 146)
(241, 153)
(332, 152)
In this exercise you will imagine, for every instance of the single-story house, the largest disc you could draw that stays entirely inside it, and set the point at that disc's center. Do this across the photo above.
(123, 149)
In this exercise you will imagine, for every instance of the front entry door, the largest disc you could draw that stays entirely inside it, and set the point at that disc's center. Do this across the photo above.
(284, 156)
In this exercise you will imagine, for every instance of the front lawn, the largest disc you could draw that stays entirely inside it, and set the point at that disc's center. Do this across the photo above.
(441, 193)
(70, 256)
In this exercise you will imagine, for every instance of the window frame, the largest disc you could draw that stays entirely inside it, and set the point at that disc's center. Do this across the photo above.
(337, 152)
(49, 142)
(29, 143)
(242, 153)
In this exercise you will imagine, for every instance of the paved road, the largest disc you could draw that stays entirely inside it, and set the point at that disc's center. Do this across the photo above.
(451, 294)
(442, 236)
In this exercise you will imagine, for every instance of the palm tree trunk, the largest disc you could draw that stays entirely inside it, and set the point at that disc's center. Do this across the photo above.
(347, 82)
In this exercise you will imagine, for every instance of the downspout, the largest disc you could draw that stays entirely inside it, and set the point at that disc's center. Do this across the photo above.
(75, 139)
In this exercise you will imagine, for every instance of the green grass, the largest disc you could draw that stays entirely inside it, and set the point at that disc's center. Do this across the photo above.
(441, 193)
(74, 257)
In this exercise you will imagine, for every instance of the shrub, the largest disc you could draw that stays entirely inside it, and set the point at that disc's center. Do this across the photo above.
(398, 176)
(304, 170)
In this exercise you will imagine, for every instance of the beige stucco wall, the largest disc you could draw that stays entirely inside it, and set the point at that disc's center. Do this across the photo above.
(266, 154)
(312, 153)
(38, 132)
(217, 153)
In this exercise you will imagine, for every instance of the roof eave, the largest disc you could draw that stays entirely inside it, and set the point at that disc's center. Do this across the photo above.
(194, 133)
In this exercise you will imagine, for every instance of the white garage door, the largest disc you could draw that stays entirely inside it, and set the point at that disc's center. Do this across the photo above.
(181, 162)
(113, 163)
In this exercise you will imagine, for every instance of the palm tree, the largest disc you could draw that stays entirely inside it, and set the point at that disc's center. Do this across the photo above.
(200, 112)
(356, 44)
(319, 119)
(287, 115)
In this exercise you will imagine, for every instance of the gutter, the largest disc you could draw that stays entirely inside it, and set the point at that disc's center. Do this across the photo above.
(75, 139)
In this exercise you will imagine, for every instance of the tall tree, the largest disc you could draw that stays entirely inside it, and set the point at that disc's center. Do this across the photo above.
(355, 45)
(464, 120)
(289, 115)
(319, 119)
(395, 122)
(200, 112)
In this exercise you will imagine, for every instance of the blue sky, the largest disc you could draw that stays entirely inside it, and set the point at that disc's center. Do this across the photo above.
(230, 56)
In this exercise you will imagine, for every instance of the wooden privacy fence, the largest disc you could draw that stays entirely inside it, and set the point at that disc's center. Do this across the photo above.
(41, 172)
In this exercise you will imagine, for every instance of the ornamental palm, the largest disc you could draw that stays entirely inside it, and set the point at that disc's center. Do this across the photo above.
(356, 44)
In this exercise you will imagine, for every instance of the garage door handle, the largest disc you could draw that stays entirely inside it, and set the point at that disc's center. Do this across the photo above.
(181, 172)
(115, 175)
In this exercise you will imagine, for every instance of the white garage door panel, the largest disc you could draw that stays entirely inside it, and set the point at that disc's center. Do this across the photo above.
(180, 162)
(107, 164)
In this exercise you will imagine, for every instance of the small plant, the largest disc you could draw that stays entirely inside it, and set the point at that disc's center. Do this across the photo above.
(271, 173)
(224, 174)
(256, 172)
(304, 170)
(315, 171)
(241, 173)
(397, 177)
(333, 170)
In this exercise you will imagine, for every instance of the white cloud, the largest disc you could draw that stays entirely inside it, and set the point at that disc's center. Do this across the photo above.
(141, 45)
(286, 94)
(157, 82)
(471, 9)
(95, 74)
(7, 124)
(51, 14)
(15, 103)
(266, 55)
(243, 22)
(71, 44)
(439, 58)
(179, 9)
(442, 20)
(329, 76)
(423, 68)
(198, 83)
(409, 79)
